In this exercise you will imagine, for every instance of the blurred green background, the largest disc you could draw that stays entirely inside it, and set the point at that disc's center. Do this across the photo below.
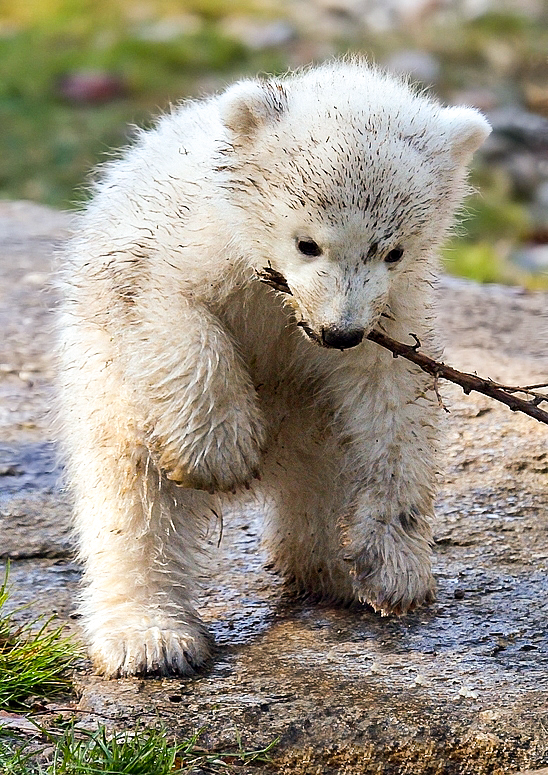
(76, 75)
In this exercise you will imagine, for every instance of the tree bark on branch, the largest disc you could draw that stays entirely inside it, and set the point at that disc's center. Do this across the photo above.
(468, 382)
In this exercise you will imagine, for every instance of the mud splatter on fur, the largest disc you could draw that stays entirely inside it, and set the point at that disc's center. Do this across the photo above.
(182, 375)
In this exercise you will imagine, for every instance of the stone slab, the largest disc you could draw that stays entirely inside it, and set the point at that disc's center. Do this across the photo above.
(458, 687)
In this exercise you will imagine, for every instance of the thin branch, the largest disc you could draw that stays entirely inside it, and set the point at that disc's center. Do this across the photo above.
(529, 390)
(467, 382)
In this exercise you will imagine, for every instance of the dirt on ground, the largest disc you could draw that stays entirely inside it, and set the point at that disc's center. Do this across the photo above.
(458, 687)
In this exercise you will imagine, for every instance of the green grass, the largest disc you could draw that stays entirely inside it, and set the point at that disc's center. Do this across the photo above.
(35, 661)
(35, 658)
(143, 751)
(48, 145)
(479, 261)
(492, 226)
(147, 752)
(14, 760)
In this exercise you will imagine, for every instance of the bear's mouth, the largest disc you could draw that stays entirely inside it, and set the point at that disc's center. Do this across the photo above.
(334, 338)
(342, 338)
(311, 334)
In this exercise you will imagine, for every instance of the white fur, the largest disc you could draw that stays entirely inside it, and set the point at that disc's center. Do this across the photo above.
(184, 376)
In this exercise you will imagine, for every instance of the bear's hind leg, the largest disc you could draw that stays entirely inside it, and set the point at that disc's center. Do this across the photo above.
(302, 477)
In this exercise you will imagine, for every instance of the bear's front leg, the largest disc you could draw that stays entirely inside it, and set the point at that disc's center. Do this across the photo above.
(140, 536)
(386, 532)
(200, 410)
(159, 395)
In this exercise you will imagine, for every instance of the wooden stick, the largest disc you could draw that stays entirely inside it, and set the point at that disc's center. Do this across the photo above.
(468, 382)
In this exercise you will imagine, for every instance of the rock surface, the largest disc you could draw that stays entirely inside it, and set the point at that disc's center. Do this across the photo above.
(458, 687)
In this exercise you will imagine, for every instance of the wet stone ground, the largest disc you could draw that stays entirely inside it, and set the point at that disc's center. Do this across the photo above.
(459, 687)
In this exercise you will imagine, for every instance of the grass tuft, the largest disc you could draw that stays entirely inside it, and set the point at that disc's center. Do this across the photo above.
(141, 751)
(32, 661)
(145, 752)
(36, 662)
(16, 761)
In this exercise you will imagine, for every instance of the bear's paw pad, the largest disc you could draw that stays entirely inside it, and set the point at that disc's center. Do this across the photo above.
(152, 651)
(396, 584)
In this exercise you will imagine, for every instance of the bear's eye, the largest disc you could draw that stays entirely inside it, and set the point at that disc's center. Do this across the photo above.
(308, 247)
(394, 256)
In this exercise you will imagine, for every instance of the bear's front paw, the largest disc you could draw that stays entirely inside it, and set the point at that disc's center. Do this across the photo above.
(150, 651)
(229, 456)
(393, 574)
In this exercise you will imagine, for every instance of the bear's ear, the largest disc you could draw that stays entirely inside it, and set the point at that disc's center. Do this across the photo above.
(249, 105)
(466, 129)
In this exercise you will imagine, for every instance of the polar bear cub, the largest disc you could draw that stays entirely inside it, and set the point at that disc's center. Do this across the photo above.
(217, 296)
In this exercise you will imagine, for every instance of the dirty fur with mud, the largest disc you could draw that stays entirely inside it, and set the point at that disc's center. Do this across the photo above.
(218, 290)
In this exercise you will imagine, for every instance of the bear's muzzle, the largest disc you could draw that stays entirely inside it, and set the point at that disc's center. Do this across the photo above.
(342, 338)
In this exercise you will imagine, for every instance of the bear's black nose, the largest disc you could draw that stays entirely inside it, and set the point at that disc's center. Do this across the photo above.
(342, 338)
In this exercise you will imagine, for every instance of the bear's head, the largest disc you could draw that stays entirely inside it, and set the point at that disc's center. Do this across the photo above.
(344, 182)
